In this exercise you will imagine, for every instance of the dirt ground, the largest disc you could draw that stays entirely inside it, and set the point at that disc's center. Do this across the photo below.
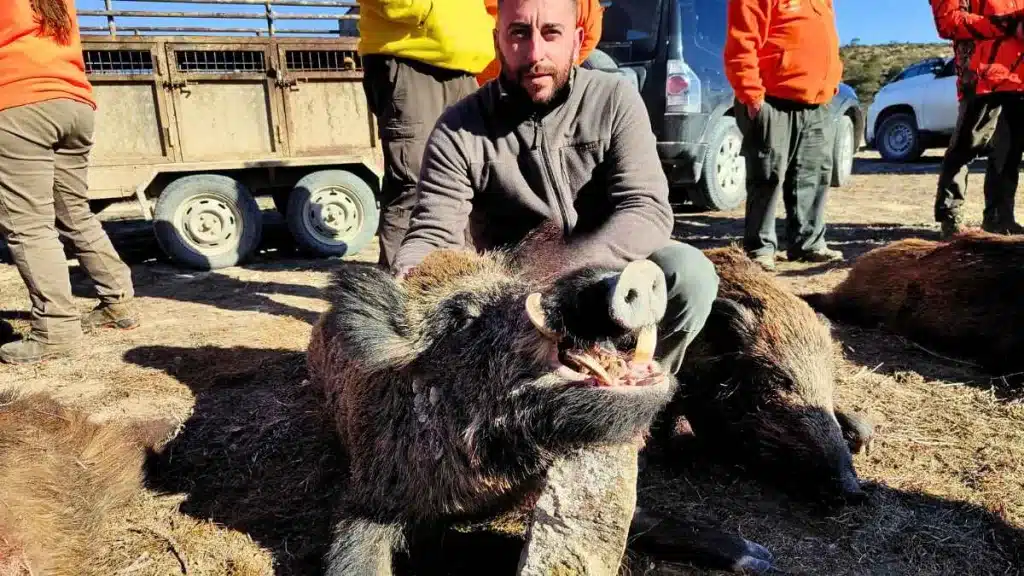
(252, 474)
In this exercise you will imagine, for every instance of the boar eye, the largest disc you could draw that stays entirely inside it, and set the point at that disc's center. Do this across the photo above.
(460, 310)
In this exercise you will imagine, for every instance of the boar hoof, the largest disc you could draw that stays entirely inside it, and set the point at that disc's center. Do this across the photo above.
(758, 560)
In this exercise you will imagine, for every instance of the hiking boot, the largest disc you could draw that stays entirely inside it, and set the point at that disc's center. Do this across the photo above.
(766, 261)
(30, 350)
(119, 316)
(819, 255)
(951, 225)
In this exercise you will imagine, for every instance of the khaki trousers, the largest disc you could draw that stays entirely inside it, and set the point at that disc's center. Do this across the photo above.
(44, 159)
(407, 97)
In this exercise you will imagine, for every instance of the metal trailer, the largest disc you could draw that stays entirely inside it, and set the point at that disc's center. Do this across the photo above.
(195, 122)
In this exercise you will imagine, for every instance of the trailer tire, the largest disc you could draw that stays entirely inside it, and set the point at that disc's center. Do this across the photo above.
(332, 213)
(207, 221)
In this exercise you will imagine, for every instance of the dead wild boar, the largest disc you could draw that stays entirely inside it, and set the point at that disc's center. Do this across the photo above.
(61, 476)
(757, 387)
(961, 296)
(454, 390)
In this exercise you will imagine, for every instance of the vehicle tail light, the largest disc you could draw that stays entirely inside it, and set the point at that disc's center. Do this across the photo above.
(682, 88)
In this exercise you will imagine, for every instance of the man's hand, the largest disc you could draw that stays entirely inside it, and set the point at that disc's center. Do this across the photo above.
(401, 274)
(754, 108)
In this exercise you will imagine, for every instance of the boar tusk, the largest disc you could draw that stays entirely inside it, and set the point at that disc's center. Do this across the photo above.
(646, 342)
(537, 317)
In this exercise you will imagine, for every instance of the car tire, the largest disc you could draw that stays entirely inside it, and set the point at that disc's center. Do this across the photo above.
(722, 185)
(897, 138)
(332, 213)
(843, 151)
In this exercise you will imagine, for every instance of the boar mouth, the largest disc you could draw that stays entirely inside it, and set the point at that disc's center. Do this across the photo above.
(597, 365)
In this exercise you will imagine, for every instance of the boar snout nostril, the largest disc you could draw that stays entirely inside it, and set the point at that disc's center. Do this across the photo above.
(638, 295)
(631, 296)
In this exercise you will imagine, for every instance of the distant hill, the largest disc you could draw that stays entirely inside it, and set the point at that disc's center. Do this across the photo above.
(868, 67)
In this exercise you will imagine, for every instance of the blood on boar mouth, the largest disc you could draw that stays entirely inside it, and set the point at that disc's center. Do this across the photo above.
(599, 366)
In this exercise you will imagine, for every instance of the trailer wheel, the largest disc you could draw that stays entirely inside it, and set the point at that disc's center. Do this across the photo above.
(332, 213)
(207, 221)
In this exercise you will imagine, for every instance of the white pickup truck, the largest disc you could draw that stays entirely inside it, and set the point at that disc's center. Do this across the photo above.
(916, 111)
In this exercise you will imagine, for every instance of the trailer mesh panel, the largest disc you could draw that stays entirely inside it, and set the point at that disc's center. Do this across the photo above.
(220, 61)
(323, 60)
(118, 61)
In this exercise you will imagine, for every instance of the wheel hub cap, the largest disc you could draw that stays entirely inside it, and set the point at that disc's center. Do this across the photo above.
(899, 139)
(333, 215)
(731, 167)
(208, 223)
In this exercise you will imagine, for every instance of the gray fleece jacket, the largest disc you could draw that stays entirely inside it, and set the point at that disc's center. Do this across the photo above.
(589, 164)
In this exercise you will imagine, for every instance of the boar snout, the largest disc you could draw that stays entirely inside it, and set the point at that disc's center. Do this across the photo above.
(638, 295)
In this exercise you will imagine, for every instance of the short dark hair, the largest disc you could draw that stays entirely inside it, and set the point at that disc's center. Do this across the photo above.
(575, 7)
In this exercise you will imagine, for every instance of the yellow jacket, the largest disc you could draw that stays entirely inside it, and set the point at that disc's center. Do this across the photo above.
(453, 34)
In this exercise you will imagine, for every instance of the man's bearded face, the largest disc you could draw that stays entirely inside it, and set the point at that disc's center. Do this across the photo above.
(537, 43)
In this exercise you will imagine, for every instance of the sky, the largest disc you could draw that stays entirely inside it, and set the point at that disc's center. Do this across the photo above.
(881, 21)
(869, 21)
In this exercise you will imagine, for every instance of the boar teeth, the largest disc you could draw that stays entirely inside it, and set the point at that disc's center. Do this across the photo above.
(537, 317)
(591, 365)
(646, 342)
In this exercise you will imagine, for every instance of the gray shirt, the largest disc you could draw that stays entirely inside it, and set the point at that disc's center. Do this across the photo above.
(590, 165)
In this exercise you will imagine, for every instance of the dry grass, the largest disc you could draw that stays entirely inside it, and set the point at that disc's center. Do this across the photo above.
(249, 484)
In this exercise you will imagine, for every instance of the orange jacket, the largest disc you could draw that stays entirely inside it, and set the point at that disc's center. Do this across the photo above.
(782, 48)
(988, 54)
(591, 14)
(33, 67)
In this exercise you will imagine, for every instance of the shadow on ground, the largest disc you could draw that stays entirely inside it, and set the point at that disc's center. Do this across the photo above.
(258, 455)
(713, 230)
(890, 354)
(156, 277)
(930, 164)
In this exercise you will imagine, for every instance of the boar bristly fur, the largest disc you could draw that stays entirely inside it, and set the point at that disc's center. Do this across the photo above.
(759, 383)
(462, 383)
(61, 476)
(960, 296)
(451, 403)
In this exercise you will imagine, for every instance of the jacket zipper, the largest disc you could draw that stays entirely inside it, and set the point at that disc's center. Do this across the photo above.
(537, 130)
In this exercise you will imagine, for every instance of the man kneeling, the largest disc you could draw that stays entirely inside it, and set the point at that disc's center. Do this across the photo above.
(547, 140)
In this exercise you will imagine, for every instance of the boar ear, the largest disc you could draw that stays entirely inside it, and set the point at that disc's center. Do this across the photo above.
(730, 325)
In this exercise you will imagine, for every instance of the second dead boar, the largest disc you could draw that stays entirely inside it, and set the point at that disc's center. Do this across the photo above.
(757, 386)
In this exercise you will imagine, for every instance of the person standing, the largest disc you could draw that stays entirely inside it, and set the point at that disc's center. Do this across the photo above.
(589, 17)
(46, 129)
(782, 60)
(419, 57)
(987, 43)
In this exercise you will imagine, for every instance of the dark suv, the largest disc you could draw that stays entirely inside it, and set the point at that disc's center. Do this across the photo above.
(673, 51)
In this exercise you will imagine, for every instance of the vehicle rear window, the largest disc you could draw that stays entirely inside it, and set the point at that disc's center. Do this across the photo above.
(630, 29)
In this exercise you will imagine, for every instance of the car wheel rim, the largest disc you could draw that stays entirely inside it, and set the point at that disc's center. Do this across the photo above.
(333, 215)
(731, 167)
(899, 139)
(208, 223)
